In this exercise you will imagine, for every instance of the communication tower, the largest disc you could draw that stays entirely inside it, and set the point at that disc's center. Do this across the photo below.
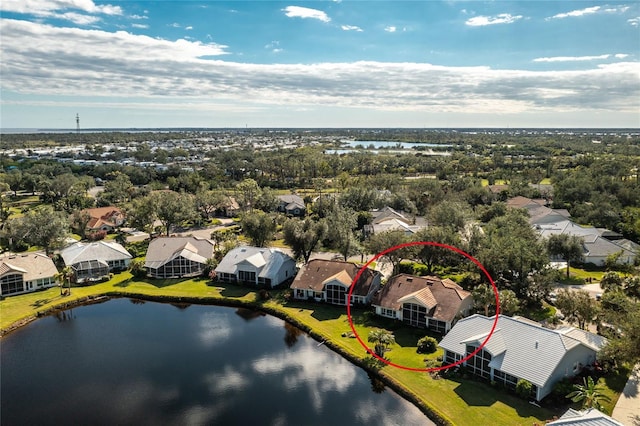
(77, 122)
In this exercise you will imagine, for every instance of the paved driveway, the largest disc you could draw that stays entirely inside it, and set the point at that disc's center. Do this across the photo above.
(627, 409)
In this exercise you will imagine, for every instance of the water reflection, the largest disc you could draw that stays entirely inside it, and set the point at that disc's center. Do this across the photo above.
(248, 314)
(377, 385)
(124, 363)
(291, 335)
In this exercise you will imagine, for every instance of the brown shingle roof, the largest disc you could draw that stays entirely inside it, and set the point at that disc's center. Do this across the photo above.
(314, 274)
(447, 294)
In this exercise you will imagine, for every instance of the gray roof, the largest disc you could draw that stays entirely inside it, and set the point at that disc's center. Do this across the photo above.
(164, 249)
(97, 250)
(519, 347)
(291, 198)
(590, 417)
(267, 260)
(33, 266)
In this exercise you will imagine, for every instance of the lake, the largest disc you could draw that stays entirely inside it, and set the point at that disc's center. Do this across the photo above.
(129, 362)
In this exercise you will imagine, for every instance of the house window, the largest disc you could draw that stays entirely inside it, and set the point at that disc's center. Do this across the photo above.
(336, 294)
(247, 276)
(299, 294)
(388, 312)
(506, 379)
(479, 363)
(12, 283)
(437, 325)
(451, 357)
(414, 315)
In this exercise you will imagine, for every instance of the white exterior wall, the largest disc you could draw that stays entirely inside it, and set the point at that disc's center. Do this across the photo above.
(579, 354)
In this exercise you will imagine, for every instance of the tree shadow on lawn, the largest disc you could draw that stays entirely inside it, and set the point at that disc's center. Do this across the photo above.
(234, 291)
(479, 394)
(321, 311)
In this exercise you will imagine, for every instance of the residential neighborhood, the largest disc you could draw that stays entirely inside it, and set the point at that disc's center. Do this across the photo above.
(560, 282)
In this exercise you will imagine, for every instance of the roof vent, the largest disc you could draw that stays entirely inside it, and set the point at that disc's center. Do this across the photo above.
(409, 279)
(536, 344)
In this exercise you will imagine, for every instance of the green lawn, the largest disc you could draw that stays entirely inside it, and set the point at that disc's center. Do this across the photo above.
(462, 402)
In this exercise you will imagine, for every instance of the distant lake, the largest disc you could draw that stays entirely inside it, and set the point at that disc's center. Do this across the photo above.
(125, 362)
(392, 144)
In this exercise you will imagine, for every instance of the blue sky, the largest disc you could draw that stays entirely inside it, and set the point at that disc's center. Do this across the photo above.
(319, 63)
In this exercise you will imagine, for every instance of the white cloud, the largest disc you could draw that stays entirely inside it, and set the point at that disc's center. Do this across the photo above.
(390, 29)
(142, 26)
(188, 28)
(127, 68)
(46, 7)
(351, 28)
(308, 367)
(634, 22)
(80, 12)
(589, 11)
(503, 18)
(620, 55)
(305, 12)
(572, 58)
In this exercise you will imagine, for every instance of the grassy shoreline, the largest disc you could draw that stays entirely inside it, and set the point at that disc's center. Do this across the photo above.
(446, 402)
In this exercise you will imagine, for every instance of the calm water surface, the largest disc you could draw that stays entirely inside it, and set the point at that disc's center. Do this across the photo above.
(127, 363)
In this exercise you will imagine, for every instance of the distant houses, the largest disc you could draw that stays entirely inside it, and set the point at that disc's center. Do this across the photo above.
(26, 272)
(521, 349)
(94, 261)
(329, 281)
(388, 219)
(598, 243)
(259, 266)
(292, 205)
(177, 257)
(104, 218)
(425, 302)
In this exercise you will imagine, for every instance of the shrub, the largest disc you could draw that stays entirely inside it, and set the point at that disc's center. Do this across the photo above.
(427, 345)
(524, 388)
(96, 236)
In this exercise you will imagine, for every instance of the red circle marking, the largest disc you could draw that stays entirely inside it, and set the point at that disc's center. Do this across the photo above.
(424, 243)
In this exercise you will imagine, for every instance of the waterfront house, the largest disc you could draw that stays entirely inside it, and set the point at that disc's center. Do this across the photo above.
(425, 302)
(177, 257)
(521, 349)
(26, 272)
(330, 280)
(256, 265)
(94, 261)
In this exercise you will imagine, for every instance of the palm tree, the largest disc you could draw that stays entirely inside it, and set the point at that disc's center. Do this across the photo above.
(382, 339)
(65, 276)
(589, 393)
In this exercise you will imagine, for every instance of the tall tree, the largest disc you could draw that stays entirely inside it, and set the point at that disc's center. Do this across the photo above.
(432, 256)
(342, 222)
(382, 241)
(568, 247)
(511, 251)
(65, 276)
(304, 235)
(259, 227)
(483, 297)
(509, 303)
(41, 226)
(247, 192)
(172, 208)
(577, 306)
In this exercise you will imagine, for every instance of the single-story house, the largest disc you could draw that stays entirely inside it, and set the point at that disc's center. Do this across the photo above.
(291, 204)
(426, 302)
(521, 349)
(93, 261)
(388, 219)
(104, 218)
(26, 272)
(256, 265)
(176, 257)
(596, 246)
(330, 280)
(588, 417)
